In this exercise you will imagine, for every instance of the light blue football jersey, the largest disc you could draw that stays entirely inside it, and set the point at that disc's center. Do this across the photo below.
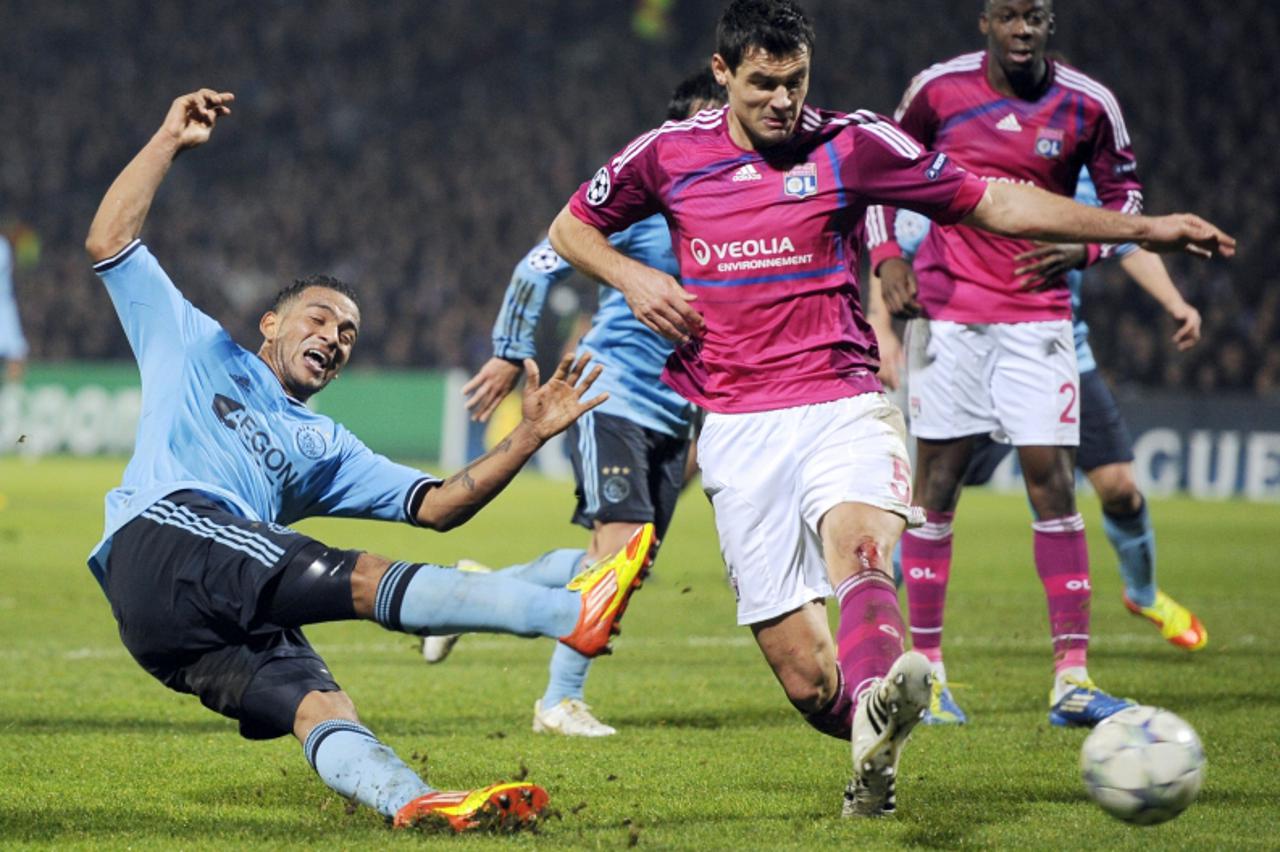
(631, 354)
(215, 419)
(910, 229)
(12, 343)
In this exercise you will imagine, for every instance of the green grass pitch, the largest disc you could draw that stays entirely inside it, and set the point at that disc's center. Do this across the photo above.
(93, 753)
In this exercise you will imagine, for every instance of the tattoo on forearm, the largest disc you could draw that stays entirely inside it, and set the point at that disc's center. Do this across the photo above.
(464, 477)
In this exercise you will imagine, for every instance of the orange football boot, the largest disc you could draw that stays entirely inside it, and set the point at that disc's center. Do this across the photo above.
(606, 588)
(502, 807)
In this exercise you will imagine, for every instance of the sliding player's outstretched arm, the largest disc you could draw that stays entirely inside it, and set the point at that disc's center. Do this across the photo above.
(548, 410)
(188, 124)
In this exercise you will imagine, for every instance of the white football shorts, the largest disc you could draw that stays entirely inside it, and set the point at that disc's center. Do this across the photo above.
(1018, 382)
(772, 475)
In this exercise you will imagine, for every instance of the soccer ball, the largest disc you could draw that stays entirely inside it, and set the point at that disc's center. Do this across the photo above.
(1143, 765)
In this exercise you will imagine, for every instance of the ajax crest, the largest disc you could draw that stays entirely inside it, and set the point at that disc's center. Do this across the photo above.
(802, 181)
(310, 442)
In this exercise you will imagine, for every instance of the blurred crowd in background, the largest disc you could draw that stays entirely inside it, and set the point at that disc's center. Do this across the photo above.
(419, 149)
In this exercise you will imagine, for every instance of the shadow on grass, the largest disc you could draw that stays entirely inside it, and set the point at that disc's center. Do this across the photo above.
(98, 725)
(706, 720)
(109, 826)
(397, 724)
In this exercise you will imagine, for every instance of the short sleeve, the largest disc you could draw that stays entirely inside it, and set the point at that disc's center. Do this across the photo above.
(885, 165)
(622, 191)
(157, 320)
(366, 484)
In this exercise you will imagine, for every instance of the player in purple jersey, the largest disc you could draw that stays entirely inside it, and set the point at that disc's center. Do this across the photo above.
(631, 458)
(802, 456)
(208, 585)
(992, 353)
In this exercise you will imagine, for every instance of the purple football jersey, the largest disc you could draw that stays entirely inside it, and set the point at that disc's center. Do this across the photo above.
(769, 242)
(967, 275)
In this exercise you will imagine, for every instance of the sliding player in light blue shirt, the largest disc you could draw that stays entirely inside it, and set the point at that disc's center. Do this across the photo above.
(211, 588)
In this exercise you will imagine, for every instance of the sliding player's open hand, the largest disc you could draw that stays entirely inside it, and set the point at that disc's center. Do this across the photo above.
(1043, 266)
(191, 117)
(549, 409)
(1189, 233)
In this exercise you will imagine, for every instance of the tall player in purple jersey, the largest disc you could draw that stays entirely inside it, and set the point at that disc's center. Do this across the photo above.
(802, 456)
(992, 354)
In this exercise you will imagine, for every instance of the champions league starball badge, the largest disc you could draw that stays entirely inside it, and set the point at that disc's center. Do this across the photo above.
(544, 259)
(600, 186)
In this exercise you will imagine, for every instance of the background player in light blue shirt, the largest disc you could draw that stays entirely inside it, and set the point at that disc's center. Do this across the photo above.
(1106, 452)
(210, 588)
(630, 455)
(13, 345)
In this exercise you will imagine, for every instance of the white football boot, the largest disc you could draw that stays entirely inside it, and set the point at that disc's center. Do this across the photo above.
(882, 723)
(436, 648)
(571, 718)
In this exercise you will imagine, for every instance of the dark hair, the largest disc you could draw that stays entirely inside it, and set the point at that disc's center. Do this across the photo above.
(701, 86)
(780, 27)
(291, 292)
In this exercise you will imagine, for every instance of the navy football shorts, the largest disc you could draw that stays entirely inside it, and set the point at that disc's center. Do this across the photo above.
(625, 472)
(1104, 437)
(186, 580)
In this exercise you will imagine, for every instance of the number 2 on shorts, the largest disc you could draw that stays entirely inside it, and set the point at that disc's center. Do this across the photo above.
(1067, 416)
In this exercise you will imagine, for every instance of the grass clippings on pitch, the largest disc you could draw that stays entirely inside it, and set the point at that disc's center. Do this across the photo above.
(93, 753)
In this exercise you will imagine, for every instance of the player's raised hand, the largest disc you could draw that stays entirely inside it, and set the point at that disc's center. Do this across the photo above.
(1043, 266)
(1187, 232)
(662, 304)
(549, 409)
(192, 116)
(489, 386)
(898, 284)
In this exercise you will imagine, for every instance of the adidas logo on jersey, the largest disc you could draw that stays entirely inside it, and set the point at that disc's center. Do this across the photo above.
(747, 172)
(1009, 123)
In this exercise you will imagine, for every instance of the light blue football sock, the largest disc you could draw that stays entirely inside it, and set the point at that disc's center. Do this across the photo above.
(568, 675)
(897, 564)
(350, 759)
(553, 568)
(568, 668)
(1134, 541)
(434, 600)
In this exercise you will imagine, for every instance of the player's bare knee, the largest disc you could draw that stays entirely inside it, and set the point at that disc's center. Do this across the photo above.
(860, 554)
(1125, 502)
(809, 691)
(608, 538)
(868, 555)
(1052, 502)
(1116, 488)
(364, 582)
(317, 707)
(938, 488)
